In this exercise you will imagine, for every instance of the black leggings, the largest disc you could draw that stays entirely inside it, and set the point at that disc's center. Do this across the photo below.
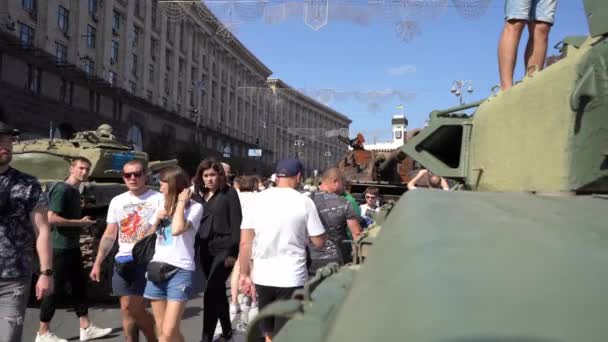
(215, 302)
(68, 268)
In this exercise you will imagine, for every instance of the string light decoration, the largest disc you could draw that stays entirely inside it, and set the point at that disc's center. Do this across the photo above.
(471, 9)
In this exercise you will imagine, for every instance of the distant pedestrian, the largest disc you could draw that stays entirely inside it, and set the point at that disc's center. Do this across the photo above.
(372, 202)
(23, 216)
(65, 214)
(538, 15)
(170, 273)
(128, 217)
(429, 181)
(276, 237)
(337, 216)
(219, 242)
(247, 196)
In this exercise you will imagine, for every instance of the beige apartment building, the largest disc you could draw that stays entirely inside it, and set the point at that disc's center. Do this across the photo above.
(171, 87)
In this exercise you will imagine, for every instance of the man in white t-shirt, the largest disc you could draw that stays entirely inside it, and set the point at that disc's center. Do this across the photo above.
(128, 217)
(276, 237)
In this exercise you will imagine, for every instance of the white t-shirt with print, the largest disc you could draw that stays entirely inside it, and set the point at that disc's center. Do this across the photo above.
(364, 208)
(283, 221)
(178, 250)
(132, 213)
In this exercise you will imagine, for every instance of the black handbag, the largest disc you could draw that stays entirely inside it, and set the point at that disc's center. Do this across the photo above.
(157, 272)
(143, 250)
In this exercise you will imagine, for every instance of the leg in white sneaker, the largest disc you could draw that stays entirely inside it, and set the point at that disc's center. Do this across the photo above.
(92, 332)
(48, 337)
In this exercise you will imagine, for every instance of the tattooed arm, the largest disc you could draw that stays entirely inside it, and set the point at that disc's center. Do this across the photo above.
(105, 246)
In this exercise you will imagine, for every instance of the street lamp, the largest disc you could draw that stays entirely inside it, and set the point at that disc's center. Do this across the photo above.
(458, 87)
(327, 155)
(298, 143)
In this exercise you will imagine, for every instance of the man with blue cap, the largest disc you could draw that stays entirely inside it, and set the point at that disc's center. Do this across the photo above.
(283, 222)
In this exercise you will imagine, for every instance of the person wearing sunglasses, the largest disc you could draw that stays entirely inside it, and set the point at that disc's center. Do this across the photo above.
(128, 217)
(170, 273)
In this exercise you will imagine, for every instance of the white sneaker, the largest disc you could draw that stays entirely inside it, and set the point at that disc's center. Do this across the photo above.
(252, 312)
(49, 337)
(93, 332)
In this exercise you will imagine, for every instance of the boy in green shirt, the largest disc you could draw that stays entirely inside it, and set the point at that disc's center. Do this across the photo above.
(65, 215)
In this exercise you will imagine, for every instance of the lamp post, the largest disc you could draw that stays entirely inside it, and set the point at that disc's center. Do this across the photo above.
(327, 155)
(458, 87)
(298, 143)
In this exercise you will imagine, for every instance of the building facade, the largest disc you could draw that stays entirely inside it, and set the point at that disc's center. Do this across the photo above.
(399, 131)
(171, 87)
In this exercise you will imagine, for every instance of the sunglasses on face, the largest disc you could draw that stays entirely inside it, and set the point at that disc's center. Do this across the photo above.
(128, 175)
(370, 197)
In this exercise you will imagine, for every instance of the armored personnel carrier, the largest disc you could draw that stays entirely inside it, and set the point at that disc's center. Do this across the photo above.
(520, 254)
(49, 161)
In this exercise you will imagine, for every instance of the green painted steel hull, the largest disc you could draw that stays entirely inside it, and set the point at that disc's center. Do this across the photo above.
(470, 266)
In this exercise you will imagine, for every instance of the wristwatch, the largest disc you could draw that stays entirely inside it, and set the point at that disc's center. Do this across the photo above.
(47, 272)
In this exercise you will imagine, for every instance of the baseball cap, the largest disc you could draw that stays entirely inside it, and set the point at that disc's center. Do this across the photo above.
(7, 129)
(288, 168)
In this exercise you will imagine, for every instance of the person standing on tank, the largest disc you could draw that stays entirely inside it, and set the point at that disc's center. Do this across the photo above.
(219, 237)
(128, 217)
(23, 227)
(65, 215)
(538, 16)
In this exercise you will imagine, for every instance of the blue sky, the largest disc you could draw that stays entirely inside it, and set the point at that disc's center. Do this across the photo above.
(346, 56)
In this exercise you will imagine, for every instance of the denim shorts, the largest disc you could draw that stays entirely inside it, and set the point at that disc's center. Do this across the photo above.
(178, 288)
(129, 287)
(530, 10)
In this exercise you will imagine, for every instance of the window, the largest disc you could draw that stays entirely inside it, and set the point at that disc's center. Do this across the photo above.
(114, 57)
(180, 67)
(33, 79)
(113, 78)
(169, 30)
(29, 5)
(182, 28)
(92, 8)
(61, 52)
(91, 101)
(153, 48)
(133, 87)
(117, 110)
(116, 22)
(168, 59)
(151, 74)
(398, 135)
(179, 90)
(137, 9)
(134, 137)
(26, 35)
(63, 19)
(134, 67)
(136, 31)
(65, 91)
(89, 67)
(154, 14)
(91, 36)
(166, 83)
(149, 95)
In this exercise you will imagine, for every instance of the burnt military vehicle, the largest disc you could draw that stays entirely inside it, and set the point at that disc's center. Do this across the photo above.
(49, 161)
(521, 254)
(389, 171)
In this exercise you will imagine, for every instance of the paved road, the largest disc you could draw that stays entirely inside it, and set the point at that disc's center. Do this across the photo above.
(65, 323)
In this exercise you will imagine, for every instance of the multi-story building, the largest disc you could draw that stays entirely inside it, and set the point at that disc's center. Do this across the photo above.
(168, 86)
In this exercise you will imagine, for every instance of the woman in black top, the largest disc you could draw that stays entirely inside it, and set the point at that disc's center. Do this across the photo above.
(220, 233)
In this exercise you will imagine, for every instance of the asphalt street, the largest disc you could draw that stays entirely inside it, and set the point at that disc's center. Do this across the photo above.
(65, 322)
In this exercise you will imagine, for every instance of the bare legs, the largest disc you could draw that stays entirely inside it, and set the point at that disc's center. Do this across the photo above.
(536, 48)
(134, 315)
(507, 51)
(168, 315)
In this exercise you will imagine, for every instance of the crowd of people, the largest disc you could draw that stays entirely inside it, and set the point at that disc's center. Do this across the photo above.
(267, 236)
(263, 238)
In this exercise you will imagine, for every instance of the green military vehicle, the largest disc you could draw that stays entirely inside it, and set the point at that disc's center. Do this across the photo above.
(49, 161)
(520, 254)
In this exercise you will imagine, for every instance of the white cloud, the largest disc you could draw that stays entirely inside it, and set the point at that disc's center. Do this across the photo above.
(402, 70)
